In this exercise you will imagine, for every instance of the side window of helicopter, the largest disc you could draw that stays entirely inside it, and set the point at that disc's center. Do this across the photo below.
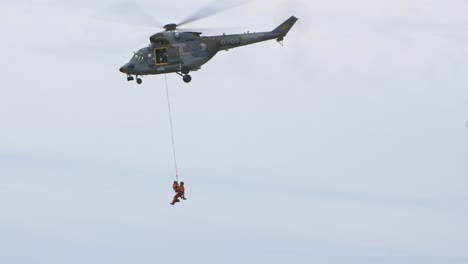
(176, 35)
(150, 58)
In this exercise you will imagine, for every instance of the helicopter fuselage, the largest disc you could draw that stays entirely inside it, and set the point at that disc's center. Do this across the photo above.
(182, 52)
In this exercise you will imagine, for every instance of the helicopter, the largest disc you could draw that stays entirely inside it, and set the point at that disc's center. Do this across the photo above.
(181, 52)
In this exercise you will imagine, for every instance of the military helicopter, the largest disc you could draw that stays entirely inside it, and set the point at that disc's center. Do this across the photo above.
(173, 51)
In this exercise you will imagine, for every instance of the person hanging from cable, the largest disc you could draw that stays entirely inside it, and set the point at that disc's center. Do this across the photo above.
(175, 185)
(180, 192)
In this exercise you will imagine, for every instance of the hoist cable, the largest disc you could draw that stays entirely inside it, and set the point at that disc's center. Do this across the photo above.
(172, 130)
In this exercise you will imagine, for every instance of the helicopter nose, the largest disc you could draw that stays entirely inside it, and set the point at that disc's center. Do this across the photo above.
(127, 68)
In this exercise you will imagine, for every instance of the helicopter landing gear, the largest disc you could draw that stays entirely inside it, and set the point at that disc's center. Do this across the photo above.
(185, 70)
(138, 80)
(187, 78)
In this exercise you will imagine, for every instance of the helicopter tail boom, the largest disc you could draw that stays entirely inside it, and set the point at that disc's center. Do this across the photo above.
(226, 42)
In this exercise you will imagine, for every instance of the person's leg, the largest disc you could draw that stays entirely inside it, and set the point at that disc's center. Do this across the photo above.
(175, 199)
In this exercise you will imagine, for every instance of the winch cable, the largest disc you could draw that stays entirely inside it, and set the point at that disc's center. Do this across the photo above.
(172, 130)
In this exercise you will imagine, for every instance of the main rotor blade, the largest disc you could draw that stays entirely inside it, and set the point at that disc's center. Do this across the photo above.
(213, 30)
(129, 13)
(212, 8)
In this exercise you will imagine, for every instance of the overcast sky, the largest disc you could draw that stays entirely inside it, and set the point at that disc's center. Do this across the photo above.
(347, 145)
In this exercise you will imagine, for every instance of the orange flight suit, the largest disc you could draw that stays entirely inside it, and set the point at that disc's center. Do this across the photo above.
(180, 193)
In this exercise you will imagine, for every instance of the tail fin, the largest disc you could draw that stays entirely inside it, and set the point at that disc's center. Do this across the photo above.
(284, 28)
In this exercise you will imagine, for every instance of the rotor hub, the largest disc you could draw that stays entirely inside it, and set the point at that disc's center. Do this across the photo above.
(170, 27)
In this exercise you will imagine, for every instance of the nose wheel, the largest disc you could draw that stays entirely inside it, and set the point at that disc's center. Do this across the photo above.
(138, 80)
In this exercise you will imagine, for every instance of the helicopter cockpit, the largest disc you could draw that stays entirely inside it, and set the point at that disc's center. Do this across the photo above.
(137, 58)
(142, 55)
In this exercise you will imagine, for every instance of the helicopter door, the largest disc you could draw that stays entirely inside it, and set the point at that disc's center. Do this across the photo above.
(166, 55)
(160, 55)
